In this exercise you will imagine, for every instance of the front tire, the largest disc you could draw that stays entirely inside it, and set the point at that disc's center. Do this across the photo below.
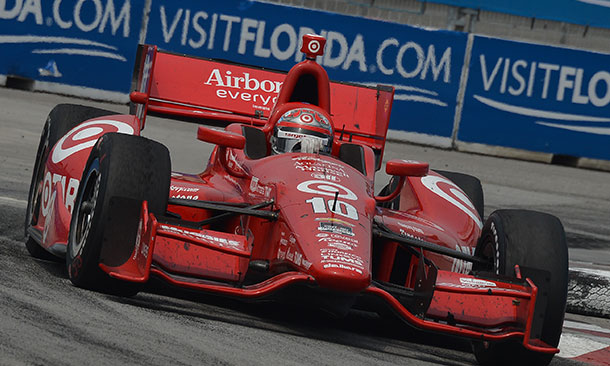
(121, 172)
(536, 242)
(60, 120)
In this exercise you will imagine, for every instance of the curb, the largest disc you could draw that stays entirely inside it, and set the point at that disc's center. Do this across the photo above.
(589, 292)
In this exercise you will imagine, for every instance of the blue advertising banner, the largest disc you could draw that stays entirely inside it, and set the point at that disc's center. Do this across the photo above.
(423, 65)
(538, 98)
(90, 43)
(594, 13)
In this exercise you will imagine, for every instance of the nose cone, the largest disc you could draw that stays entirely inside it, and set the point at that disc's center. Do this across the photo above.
(341, 254)
(341, 272)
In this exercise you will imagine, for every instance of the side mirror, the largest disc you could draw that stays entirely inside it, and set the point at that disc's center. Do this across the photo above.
(407, 168)
(138, 97)
(403, 169)
(221, 137)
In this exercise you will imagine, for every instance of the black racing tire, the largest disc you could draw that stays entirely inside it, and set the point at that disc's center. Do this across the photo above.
(537, 243)
(121, 172)
(470, 185)
(60, 120)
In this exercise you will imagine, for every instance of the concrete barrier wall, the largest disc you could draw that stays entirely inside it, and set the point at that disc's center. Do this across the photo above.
(452, 89)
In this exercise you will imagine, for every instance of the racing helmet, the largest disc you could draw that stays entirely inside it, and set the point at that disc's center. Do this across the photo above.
(302, 130)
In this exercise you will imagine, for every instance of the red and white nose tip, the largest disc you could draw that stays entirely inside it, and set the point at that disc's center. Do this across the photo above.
(313, 46)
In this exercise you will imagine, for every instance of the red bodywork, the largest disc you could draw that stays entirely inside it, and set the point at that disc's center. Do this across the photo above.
(322, 236)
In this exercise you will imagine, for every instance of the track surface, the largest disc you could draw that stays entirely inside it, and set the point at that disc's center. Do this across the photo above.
(46, 320)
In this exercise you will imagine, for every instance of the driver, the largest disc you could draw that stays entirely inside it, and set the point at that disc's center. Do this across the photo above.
(302, 130)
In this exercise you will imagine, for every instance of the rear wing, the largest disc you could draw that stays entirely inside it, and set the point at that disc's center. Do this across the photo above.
(220, 92)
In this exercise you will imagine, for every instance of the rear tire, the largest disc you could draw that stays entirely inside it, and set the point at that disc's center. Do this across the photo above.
(60, 120)
(121, 172)
(535, 241)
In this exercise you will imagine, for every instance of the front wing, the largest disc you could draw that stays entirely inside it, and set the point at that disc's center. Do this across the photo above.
(485, 309)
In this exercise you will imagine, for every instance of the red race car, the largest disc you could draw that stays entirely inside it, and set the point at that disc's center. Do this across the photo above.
(286, 205)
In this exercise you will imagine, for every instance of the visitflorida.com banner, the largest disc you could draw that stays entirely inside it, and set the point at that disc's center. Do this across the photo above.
(535, 97)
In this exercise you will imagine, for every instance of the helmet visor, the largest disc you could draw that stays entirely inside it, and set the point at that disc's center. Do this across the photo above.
(288, 139)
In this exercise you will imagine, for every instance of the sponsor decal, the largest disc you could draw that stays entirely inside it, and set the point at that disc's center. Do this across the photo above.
(324, 176)
(138, 239)
(453, 194)
(320, 166)
(262, 93)
(411, 228)
(337, 244)
(220, 241)
(353, 241)
(144, 250)
(184, 189)
(185, 197)
(291, 135)
(403, 232)
(459, 265)
(475, 282)
(313, 46)
(306, 264)
(422, 220)
(48, 223)
(335, 228)
(290, 255)
(335, 190)
(341, 266)
(259, 188)
(85, 136)
(339, 256)
(294, 257)
(331, 257)
(69, 190)
(179, 192)
(335, 220)
(327, 189)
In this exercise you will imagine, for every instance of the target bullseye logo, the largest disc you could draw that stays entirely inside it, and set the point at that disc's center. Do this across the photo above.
(306, 118)
(84, 136)
(314, 46)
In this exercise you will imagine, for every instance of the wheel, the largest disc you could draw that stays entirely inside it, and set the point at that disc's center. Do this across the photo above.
(470, 185)
(121, 172)
(60, 120)
(536, 242)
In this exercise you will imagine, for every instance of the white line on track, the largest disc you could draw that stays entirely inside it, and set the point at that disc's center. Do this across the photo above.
(573, 345)
(591, 271)
(584, 326)
(13, 201)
